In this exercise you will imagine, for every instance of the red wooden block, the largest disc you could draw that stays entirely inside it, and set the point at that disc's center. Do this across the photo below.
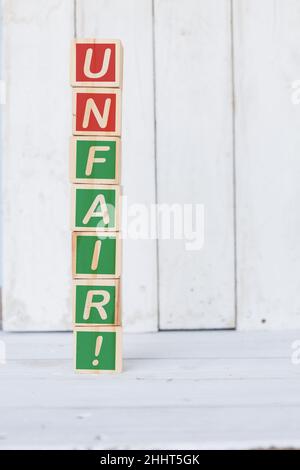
(96, 111)
(96, 63)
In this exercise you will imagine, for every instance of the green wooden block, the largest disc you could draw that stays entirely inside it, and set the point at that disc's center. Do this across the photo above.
(95, 207)
(96, 255)
(98, 349)
(96, 302)
(95, 160)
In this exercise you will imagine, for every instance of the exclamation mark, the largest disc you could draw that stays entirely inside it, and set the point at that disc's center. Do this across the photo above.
(99, 341)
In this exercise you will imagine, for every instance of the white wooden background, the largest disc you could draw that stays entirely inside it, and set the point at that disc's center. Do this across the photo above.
(207, 118)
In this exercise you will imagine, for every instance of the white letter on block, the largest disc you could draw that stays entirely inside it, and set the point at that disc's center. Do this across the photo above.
(102, 212)
(96, 255)
(89, 304)
(88, 61)
(92, 107)
(92, 159)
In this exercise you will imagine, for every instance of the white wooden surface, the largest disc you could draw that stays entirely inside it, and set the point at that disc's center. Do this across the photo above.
(187, 75)
(36, 200)
(194, 158)
(267, 58)
(131, 21)
(37, 249)
(196, 390)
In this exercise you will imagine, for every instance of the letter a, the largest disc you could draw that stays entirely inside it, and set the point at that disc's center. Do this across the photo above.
(89, 304)
(91, 106)
(102, 212)
(88, 61)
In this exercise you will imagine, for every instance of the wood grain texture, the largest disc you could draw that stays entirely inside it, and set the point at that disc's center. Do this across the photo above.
(36, 202)
(195, 159)
(97, 129)
(178, 390)
(117, 350)
(89, 179)
(115, 219)
(98, 82)
(193, 83)
(266, 43)
(95, 286)
(131, 21)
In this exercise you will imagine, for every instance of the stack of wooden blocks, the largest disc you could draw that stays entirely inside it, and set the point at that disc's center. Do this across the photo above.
(96, 78)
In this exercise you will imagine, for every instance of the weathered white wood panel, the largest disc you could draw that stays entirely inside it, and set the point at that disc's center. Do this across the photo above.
(195, 158)
(267, 58)
(131, 21)
(36, 200)
(219, 389)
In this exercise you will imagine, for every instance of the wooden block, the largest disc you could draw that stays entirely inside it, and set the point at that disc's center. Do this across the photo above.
(95, 207)
(97, 63)
(96, 255)
(95, 160)
(96, 302)
(98, 349)
(96, 111)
